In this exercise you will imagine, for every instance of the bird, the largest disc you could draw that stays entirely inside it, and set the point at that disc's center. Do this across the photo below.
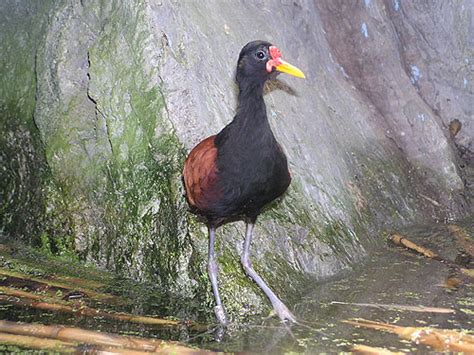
(234, 174)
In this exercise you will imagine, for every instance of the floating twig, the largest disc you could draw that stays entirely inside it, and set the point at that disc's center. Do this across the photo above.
(403, 241)
(63, 285)
(370, 350)
(32, 342)
(60, 336)
(399, 307)
(399, 239)
(438, 339)
(32, 300)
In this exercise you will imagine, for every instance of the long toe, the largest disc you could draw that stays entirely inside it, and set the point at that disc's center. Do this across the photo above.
(220, 315)
(284, 313)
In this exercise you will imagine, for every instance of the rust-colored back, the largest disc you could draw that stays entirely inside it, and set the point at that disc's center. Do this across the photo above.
(200, 175)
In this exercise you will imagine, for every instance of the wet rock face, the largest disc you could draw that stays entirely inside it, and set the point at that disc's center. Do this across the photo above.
(411, 62)
(118, 92)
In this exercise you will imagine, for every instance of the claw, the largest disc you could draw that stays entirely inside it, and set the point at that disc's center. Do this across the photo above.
(284, 313)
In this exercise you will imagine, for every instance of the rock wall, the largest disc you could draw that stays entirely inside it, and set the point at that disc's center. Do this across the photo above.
(104, 98)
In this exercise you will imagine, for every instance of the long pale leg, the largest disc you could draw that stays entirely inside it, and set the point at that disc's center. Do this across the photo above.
(278, 306)
(212, 269)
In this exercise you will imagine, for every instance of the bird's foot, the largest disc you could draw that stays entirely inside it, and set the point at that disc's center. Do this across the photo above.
(220, 314)
(283, 312)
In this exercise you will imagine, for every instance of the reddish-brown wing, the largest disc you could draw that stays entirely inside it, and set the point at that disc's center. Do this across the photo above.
(200, 175)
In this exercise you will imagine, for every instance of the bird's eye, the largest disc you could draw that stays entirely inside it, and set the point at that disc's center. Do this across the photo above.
(261, 55)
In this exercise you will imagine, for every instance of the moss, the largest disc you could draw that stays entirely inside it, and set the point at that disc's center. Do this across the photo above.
(241, 296)
(33, 209)
(21, 157)
(23, 167)
(143, 216)
(386, 185)
(285, 281)
(292, 211)
(123, 210)
(40, 263)
(371, 200)
(22, 28)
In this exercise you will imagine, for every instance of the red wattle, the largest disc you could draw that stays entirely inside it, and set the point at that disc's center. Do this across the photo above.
(275, 54)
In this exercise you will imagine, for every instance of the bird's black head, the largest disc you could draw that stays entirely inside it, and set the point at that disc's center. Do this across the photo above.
(260, 60)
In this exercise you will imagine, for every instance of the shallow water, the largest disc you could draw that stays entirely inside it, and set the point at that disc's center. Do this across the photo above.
(390, 275)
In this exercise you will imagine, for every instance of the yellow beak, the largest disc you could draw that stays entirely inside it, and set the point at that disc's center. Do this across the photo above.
(287, 68)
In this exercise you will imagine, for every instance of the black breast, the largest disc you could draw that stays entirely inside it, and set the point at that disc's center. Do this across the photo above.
(252, 171)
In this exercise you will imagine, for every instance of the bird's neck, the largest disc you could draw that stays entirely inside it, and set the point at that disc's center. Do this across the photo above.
(251, 109)
(250, 125)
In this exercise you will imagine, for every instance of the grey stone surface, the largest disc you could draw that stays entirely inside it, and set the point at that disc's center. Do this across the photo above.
(119, 91)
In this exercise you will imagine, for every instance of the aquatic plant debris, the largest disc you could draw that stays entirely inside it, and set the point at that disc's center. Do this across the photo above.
(33, 342)
(461, 237)
(62, 338)
(368, 350)
(438, 339)
(399, 307)
(27, 299)
(398, 239)
(62, 285)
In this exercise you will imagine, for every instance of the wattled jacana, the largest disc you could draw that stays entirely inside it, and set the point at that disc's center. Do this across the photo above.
(234, 174)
